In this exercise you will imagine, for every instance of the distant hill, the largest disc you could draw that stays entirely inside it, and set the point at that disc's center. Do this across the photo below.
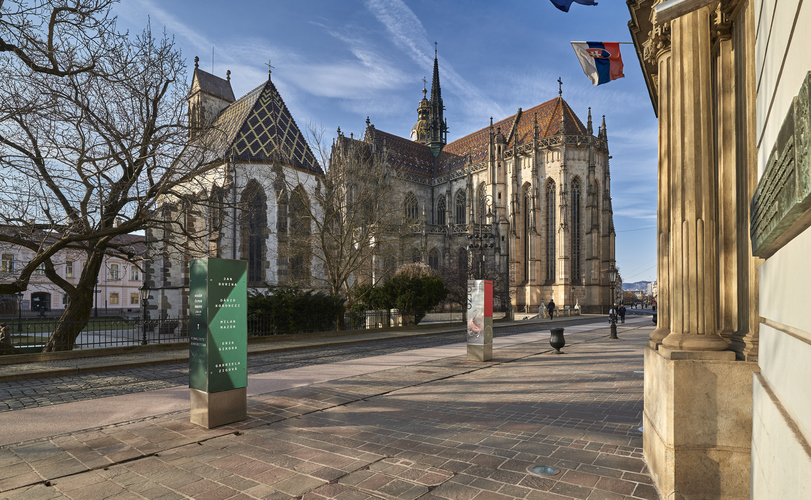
(636, 285)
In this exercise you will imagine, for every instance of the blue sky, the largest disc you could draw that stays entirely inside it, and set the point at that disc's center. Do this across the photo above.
(337, 62)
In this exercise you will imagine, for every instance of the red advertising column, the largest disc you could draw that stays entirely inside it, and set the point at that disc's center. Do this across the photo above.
(479, 320)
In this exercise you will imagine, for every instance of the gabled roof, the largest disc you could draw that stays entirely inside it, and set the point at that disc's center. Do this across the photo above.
(406, 154)
(214, 85)
(257, 127)
(548, 115)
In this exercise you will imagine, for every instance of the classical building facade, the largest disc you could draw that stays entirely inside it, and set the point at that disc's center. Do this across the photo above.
(727, 406)
(525, 201)
(257, 172)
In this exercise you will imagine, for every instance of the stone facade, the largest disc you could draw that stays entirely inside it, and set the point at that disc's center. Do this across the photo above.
(726, 397)
(525, 201)
(257, 171)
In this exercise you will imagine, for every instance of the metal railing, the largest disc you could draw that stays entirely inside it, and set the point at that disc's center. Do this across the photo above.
(28, 335)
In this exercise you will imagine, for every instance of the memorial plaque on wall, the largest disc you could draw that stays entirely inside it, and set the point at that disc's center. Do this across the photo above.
(218, 329)
(479, 312)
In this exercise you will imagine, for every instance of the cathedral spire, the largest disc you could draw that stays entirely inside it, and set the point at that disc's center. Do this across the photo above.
(589, 128)
(438, 134)
(436, 92)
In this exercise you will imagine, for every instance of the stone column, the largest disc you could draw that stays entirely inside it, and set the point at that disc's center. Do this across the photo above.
(692, 283)
(658, 48)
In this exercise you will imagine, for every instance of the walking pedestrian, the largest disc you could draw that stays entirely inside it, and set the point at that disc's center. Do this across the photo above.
(550, 307)
(622, 313)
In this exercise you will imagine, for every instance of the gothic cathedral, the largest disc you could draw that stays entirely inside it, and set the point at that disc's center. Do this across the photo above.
(525, 201)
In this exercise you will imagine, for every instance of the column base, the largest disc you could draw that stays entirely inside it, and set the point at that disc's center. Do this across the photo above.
(692, 342)
(697, 423)
(213, 409)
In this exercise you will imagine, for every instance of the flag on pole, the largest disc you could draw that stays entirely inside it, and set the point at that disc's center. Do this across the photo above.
(565, 4)
(601, 61)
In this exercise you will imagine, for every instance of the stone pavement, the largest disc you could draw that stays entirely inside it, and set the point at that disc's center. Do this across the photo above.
(437, 427)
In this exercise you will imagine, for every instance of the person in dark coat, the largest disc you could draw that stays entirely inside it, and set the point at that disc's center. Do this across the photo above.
(550, 307)
(621, 310)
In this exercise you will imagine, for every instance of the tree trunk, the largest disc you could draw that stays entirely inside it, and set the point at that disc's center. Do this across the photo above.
(78, 309)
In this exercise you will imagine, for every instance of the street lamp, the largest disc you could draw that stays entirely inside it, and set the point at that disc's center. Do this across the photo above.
(479, 240)
(144, 291)
(96, 298)
(612, 278)
(20, 307)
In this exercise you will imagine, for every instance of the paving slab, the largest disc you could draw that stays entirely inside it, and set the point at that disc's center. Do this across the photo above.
(411, 425)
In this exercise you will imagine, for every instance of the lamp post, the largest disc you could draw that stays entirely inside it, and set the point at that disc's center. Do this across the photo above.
(20, 312)
(479, 240)
(612, 278)
(144, 291)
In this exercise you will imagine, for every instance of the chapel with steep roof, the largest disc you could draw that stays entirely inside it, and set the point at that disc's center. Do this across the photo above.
(524, 201)
(259, 173)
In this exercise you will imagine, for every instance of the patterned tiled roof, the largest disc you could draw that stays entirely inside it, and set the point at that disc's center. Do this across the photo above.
(548, 115)
(258, 127)
(406, 154)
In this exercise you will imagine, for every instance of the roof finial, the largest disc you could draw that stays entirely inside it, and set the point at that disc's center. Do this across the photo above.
(368, 122)
(435, 46)
(269, 68)
(228, 75)
(560, 87)
(196, 62)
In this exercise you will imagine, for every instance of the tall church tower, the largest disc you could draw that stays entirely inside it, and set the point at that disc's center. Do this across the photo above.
(431, 128)
(438, 127)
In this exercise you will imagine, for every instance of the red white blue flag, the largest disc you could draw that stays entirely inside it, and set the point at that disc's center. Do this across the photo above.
(565, 4)
(601, 61)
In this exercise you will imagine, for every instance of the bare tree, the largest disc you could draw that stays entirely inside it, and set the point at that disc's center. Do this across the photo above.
(59, 38)
(90, 142)
(353, 215)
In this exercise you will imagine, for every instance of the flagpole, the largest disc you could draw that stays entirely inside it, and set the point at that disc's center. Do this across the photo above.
(624, 43)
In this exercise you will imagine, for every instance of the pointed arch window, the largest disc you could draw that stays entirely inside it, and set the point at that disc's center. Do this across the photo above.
(441, 209)
(300, 234)
(253, 229)
(461, 205)
(410, 207)
(577, 242)
(433, 259)
(281, 210)
(550, 231)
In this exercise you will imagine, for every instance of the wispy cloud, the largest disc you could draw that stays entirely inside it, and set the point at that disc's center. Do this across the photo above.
(410, 36)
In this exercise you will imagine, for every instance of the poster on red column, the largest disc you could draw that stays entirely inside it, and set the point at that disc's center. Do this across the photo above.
(479, 312)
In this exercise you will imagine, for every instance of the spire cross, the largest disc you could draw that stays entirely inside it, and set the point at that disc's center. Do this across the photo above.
(424, 83)
(560, 87)
(269, 68)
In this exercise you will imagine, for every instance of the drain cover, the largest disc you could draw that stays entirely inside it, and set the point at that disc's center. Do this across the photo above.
(543, 470)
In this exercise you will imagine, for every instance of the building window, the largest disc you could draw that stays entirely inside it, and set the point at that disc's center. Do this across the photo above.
(135, 299)
(113, 298)
(550, 231)
(40, 270)
(300, 232)
(64, 299)
(461, 205)
(7, 264)
(433, 259)
(281, 210)
(114, 272)
(254, 222)
(440, 211)
(68, 268)
(576, 234)
(410, 207)
(135, 274)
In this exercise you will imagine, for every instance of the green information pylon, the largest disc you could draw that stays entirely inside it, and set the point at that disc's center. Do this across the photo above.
(218, 341)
